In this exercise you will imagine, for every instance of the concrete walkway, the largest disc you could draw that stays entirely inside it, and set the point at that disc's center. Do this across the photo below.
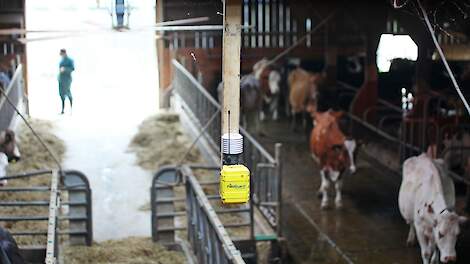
(369, 228)
(114, 88)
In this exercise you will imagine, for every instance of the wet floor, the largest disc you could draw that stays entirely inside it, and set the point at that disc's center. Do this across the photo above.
(369, 229)
(114, 88)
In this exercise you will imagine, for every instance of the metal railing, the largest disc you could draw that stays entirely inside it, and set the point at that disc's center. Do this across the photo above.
(207, 236)
(265, 169)
(15, 92)
(166, 216)
(414, 135)
(76, 202)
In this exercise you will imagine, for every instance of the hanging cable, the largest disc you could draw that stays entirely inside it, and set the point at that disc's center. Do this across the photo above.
(203, 130)
(443, 58)
(32, 130)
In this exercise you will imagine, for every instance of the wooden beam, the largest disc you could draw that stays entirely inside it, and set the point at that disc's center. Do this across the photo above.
(164, 60)
(231, 66)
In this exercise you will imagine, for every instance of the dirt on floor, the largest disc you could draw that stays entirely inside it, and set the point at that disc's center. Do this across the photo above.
(33, 157)
(130, 250)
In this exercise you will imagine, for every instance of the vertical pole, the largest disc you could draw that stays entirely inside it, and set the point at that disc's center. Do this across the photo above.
(277, 153)
(164, 66)
(231, 65)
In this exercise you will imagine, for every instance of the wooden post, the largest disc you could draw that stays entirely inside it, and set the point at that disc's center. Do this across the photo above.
(231, 65)
(164, 59)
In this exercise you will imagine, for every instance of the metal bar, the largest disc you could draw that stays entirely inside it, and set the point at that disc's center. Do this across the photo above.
(277, 154)
(26, 175)
(37, 203)
(44, 233)
(382, 101)
(380, 132)
(232, 210)
(51, 252)
(169, 200)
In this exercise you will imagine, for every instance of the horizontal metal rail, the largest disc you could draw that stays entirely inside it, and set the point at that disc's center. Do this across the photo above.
(26, 175)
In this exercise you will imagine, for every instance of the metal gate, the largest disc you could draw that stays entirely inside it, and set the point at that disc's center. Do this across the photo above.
(266, 171)
(69, 214)
(15, 92)
(205, 232)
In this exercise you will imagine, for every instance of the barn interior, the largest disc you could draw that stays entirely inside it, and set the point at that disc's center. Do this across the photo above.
(376, 62)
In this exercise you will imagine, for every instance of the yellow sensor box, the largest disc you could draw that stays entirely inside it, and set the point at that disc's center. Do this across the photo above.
(234, 184)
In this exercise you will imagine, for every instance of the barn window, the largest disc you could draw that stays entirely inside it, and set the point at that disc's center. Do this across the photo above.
(274, 22)
(260, 23)
(267, 25)
(395, 46)
(246, 22)
(308, 28)
(294, 31)
(196, 40)
(288, 27)
(281, 25)
(253, 24)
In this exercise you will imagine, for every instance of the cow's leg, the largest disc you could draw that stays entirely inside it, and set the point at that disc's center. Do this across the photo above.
(262, 116)
(325, 184)
(294, 121)
(424, 243)
(339, 197)
(351, 147)
(335, 177)
(274, 107)
(411, 240)
(435, 257)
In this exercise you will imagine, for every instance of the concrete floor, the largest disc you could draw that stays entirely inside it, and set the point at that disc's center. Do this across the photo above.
(369, 229)
(114, 88)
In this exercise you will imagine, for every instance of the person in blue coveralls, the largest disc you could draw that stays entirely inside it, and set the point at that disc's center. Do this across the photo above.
(66, 67)
(120, 12)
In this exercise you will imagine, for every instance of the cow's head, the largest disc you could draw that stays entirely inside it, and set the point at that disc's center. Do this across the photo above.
(8, 145)
(337, 158)
(445, 231)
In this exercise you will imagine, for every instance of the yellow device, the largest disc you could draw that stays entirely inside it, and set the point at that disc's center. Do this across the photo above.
(234, 184)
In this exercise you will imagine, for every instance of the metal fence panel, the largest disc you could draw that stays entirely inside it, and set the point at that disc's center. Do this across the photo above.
(77, 201)
(15, 92)
(207, 235)
(265, 169)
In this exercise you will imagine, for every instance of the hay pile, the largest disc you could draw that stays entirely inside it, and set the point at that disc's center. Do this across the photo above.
(130, 250)
(33, 157)
(162, 141)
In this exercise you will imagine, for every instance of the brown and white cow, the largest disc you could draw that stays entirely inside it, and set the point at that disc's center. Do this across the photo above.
(334, 153)
(426, 201)
(303, 90)
(271, 95)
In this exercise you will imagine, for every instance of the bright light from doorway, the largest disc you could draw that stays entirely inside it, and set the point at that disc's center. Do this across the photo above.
(395, 46)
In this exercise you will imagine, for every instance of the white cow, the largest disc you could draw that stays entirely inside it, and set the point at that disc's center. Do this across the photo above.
(426, 201)
(3, 168)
